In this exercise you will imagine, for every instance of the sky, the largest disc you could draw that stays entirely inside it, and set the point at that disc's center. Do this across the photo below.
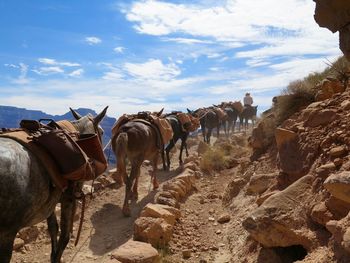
(146, 55)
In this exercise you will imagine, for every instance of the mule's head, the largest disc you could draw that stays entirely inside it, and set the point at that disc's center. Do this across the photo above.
(89, 124)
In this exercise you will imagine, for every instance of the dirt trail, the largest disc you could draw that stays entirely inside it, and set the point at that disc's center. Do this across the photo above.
(105, 228)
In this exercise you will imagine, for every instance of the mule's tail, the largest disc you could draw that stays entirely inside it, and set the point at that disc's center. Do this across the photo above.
(119, 146)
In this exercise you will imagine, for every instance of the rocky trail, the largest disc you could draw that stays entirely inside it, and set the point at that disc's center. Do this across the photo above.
(198, 236)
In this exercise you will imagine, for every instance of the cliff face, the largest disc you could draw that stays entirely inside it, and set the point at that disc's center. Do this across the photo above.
(335, 15)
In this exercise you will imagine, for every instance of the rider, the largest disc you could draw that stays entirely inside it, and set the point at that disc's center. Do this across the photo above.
(247, 100)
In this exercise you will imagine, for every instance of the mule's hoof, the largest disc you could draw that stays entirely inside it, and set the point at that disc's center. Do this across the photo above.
(155, 186)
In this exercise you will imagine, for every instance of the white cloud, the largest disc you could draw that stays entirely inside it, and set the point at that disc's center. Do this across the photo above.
(48, 70)
(284, 28)
(153, 69)
(93, 40)
(182, 40)
(119, 49)
(76, 73)
(50, 61)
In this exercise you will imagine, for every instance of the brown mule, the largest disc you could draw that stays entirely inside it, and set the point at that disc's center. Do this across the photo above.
(136, 141)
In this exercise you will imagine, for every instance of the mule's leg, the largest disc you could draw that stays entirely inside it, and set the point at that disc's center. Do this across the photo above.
(154, 170)
(218, 130)
(163, 159)
(167, 151)
(203, 131)
(52, 226)
(183, 146)
(128, 184)
(6, 246)
(68, 203)
(208, 135)
(135, 174)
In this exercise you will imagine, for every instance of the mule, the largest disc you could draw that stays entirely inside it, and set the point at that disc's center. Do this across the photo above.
(208, 120)
(248, 113)
(135, 142)
(27, 194)
(179, 133)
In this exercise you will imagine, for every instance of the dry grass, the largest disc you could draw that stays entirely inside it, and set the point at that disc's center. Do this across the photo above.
(213, 160)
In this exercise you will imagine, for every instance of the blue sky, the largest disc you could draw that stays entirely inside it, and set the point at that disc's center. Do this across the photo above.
(145, 55)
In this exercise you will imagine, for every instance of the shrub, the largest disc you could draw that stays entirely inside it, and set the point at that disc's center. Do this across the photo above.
(213, 160)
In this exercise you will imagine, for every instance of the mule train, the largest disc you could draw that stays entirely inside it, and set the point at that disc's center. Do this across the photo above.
(32, 184)
(29, 186)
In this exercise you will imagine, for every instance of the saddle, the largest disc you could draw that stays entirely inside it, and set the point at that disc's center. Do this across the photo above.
(160, 125)
(64, 154)
(220, 113)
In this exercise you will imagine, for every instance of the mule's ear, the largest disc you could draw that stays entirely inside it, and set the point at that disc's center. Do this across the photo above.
(189, 111)
(76, 115)
(160, 113)
(100, 116)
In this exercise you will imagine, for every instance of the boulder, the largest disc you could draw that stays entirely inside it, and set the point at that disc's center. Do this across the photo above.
(284, 136)
(136, 252)
(264, 196)
(155, 231)
(320, 214)
(338, 151)
(159, 199)
(337, 207)
(324, 170)
(157, 211)
(332, 14)
(328, 87)
(259, 183)
(282, 220)
(339, 185)
(322, 117)
(341, 232)
(232, 190)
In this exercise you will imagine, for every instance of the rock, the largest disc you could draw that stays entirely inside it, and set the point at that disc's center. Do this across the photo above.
(264, 196)
(320, 214)
(155, 231)
(259, 183)
(282, 220)
(191, 165)
(339, 185)
(327, 88)
(224, 218)
(232, 190)
(18, 243)
(322, 117)
(87, 189)
(291, 158)
(186, 253)
(338, 151)
(166, 201)
(284, 136)
(29, 234)
(345, 105)
(157, 211)
(176, 212)
(136, 252)
(324, 170)
(337, 207)
(341, 231)
(175, 186)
